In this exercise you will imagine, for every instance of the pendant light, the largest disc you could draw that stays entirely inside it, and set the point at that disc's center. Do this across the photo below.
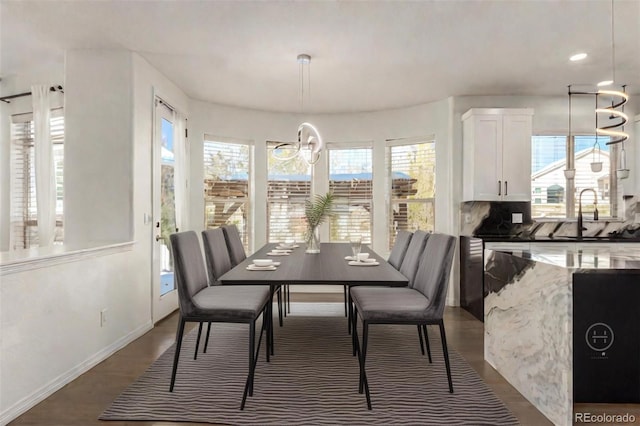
(309, 144)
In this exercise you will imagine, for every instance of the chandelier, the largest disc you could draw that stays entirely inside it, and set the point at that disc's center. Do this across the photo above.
(309, 144)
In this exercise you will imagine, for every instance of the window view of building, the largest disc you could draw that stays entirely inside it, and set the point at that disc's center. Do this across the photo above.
(411, 167)
(227, 168)
(24, 208)
(550, 192)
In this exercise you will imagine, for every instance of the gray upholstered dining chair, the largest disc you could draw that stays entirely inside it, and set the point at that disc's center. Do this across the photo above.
(200, 302)
(396, 256)
(408, 268)
(237, 255)
(399, 248)
(234, 244)
(421, 305)
(218, 262)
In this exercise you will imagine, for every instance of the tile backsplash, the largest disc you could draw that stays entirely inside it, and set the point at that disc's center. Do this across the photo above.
(494, 218)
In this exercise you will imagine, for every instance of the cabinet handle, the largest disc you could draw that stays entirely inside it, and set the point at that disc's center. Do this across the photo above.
(506, 188)
(499, 187)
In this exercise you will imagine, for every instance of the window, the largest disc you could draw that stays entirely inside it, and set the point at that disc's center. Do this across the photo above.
(288, 186)
(24, 210)
(350, 174)
(411, 167)
(555, 196)
(226, 185)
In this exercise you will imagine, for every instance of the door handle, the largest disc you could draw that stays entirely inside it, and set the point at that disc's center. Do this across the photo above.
(499, 187)
(506, 188)
(159, 238)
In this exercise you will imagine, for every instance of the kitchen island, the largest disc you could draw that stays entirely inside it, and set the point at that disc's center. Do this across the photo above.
(562, 326)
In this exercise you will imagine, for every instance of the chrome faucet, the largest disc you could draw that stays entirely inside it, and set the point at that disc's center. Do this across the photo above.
(595, 210)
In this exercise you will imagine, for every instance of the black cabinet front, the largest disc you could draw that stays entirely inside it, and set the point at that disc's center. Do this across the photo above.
(606, 337)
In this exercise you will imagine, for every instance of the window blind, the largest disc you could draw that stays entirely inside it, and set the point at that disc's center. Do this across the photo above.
(288, 186)
(350, 180)
(412, 181)
(24, 217)
(227, 168)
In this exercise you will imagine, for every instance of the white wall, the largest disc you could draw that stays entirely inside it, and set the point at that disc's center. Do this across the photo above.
(50, 309)
(98, 192)
(50, 322)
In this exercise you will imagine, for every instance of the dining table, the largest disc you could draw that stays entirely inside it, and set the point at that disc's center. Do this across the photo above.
(331, 266)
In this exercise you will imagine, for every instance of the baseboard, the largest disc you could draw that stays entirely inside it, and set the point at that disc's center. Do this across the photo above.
(48, 389)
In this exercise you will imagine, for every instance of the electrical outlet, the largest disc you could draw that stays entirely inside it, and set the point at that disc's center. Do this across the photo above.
(516, 218)
(467, 218)
(103, 317)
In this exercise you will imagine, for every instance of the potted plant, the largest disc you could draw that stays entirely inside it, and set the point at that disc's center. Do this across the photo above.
(316, 211)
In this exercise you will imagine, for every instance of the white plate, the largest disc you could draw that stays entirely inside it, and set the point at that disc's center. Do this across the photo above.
(356, 263)
(287, 247)
(273, 263)
(253, 267)
(370, 259)
(277, 254)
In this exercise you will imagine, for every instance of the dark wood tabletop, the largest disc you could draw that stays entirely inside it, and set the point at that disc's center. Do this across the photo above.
(327, 267)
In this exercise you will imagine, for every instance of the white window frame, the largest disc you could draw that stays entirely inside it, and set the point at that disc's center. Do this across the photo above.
(338, 146)
(298, 202)
(391, 225)
(570, 193)
(247, 232)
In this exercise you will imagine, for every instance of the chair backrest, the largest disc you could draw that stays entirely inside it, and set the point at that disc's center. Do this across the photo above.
(399, 248)
(234, 244)
(432, 278)
(216, 254)
(412, 257)
(189, 270)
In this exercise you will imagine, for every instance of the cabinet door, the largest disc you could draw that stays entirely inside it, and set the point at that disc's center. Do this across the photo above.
(516, 157)
(488, 158)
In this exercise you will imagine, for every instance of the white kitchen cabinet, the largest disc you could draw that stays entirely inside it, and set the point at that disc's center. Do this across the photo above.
(497, 154)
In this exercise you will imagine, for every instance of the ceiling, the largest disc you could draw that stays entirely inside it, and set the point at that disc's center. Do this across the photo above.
(366, 55)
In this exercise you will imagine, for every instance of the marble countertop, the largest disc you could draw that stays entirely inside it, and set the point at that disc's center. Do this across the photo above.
(596, 258)
(557, 239)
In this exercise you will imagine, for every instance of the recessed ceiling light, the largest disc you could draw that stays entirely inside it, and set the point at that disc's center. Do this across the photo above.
(605, 83)
(578, 57)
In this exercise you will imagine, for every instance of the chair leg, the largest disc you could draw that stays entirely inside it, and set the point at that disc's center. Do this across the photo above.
(176, 356)
(288, 291)
(195, 354)
(279, 297)
(421, 342)
(350, 310)
(446, 355)
(346, 301)
(355, 346)
(206, 342)
(271, 324)
(426, 341)
(363, 358)
(266, 312)
(248, 387)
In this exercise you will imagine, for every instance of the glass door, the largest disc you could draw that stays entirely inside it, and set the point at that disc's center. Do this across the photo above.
(165, 298)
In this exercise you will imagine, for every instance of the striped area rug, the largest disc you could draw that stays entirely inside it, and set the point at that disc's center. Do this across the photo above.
(312, 379)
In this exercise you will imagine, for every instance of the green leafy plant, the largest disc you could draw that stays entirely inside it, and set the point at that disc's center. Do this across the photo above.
(318, 209)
